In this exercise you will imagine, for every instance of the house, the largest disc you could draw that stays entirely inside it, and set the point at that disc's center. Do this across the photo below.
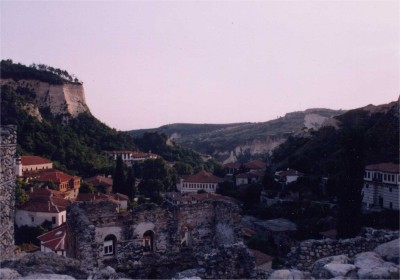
(31, 163)
(61, 181)
(130, 157)
(249, 177)
(287, 176)
(381, 186)
(232, 168)
(200, 181)
(255, 165)
(54, 241)
(101, 182)
(42, 206)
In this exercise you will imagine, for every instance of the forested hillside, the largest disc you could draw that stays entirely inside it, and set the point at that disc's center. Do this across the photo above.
(75, 144)
(78, 146)
(239, 139)
(320, 154)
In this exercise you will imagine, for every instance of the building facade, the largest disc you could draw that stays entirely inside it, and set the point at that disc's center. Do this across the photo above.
(381, 186)
(200, 181)
(42, 206)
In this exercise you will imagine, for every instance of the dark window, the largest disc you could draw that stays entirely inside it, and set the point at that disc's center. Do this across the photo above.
(109, 245)
(53, 220)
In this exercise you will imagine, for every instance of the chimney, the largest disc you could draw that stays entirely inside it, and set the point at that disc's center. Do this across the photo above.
(49, 205)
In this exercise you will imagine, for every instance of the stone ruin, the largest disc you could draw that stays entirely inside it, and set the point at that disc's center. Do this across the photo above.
(308, 252)
(204, 236)
(8, 145)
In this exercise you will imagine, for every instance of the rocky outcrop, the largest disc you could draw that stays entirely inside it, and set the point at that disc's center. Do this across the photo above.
(307, 252)
(371, 266)
(389, 251)
(65, 99)
(39, 264)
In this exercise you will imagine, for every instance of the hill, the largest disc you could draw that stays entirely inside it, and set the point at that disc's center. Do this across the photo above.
(53, 120)
(320, 153)
(230, 142)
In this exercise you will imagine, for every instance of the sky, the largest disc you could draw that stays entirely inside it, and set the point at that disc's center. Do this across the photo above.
(149, 63)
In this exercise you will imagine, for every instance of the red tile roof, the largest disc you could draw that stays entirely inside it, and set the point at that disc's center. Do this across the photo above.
(384, 167)
(255, 164)
(235, 165)
(45, 204)
(55, 239)
(100, 180)
(51, 175)
(202, 177)
(34, 160)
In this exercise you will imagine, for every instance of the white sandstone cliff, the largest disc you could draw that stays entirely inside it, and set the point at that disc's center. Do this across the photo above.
(62, 99)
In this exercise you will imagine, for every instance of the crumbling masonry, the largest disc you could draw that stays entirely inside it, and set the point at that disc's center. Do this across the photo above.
(159, 241)
(8, 145)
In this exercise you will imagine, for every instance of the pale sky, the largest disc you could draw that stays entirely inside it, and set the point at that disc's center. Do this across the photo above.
(145, 64)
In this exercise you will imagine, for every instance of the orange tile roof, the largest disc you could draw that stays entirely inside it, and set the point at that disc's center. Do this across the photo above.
(384, 167)
(55, 239)
(34, 160)
(202, 177)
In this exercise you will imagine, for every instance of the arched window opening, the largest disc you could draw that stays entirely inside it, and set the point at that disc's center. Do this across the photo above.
(109, 245)
(148, 241)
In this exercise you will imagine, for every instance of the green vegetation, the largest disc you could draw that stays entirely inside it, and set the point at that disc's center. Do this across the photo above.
(208, 138)
(77, 147)
(38, 72)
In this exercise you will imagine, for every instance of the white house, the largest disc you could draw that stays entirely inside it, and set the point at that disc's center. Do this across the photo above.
(200, 181)
(42, 206)
(54, 241)
(287, 176)
(130, 157)
(31, 163)
(381, 186)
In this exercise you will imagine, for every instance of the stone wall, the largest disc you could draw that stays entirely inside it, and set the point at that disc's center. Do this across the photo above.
(307, 252)
(180, 237)
(8, 145)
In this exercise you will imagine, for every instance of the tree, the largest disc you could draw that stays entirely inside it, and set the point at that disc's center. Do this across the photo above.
(129, 189)
(350, 182)
(182, 168)
(151, 188)
(119, 176)
(86, 187)
(20, 195)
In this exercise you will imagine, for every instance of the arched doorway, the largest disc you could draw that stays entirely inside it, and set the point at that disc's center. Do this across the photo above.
(148, 241)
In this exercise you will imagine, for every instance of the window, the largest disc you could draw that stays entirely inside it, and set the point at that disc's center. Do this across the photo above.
(53, 220)
(148, 241)
(32, 219)
(391, 205)
(109, 245)
(390, 189)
